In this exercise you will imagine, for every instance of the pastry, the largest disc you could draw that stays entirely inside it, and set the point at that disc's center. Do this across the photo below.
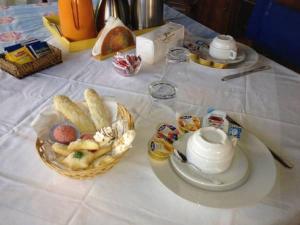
(97, 110)
(78, 160)
(114, 37)
(64, 133)
(83, 144)
(102, 151)
(73, 113)
(87, 137)
(61, 149)
(102, 160)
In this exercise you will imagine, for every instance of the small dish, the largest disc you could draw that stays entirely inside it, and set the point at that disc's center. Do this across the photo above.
(127, 64)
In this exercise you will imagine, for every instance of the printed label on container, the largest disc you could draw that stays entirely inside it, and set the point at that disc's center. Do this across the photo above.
(168, 132)
(188, 123)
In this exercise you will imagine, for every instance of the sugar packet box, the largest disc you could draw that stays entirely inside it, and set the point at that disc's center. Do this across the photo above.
(153, 46)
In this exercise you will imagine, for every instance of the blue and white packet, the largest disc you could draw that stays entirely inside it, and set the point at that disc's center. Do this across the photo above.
(217, 118)
(12, 48)
(234, 130)
(39, 49)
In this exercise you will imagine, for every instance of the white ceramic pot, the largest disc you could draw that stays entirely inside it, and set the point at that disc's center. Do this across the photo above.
(223, 47)
(210, 150)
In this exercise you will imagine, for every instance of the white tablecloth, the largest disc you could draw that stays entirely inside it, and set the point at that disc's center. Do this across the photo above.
(266, 103)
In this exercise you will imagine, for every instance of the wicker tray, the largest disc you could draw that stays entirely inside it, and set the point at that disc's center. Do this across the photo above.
(20, 71)
(89, 172)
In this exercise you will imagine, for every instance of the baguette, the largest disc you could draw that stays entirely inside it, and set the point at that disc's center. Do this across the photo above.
(97, 109)
(73, 113)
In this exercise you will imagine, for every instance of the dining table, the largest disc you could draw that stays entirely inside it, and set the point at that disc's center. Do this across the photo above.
(265, 103)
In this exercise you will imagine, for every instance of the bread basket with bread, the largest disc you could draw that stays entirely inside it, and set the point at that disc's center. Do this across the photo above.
(83, 139)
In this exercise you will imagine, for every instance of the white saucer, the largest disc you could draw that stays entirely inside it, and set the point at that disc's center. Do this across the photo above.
(251, 58)
(235, 176)
(257, 186)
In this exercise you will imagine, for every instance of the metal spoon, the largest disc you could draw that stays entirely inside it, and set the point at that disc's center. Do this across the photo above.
(179, 155)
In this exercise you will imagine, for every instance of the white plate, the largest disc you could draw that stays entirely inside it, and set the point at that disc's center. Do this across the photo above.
(251, 58)
(258, 185)
(236, 175)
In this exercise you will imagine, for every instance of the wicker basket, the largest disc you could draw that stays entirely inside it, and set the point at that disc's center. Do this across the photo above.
(20, 71)
(89, 172)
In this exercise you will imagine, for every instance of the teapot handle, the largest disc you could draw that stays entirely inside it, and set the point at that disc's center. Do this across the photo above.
(74, 6)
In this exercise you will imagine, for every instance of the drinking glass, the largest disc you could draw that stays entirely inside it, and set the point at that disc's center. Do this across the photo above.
(164, 92)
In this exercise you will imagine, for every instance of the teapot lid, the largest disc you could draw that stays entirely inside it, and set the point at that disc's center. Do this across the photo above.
(210, 143)
(213, 135)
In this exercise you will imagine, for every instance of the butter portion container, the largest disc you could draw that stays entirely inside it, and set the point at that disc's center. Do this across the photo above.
(153, 46)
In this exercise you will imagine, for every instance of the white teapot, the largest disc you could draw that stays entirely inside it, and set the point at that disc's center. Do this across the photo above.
(210, 150)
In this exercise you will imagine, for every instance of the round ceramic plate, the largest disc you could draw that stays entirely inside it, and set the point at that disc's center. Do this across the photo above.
(247, 60)
(258, 185)
(234, 176)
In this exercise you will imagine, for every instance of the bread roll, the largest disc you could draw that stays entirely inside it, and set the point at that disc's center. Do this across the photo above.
(83, 144)
(97, 109)
(73, 113)
(102, 151)
(105, 159)
(78, 160)
(61, 149)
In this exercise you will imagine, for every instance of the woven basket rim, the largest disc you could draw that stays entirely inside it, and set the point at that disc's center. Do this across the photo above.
(89, 172)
